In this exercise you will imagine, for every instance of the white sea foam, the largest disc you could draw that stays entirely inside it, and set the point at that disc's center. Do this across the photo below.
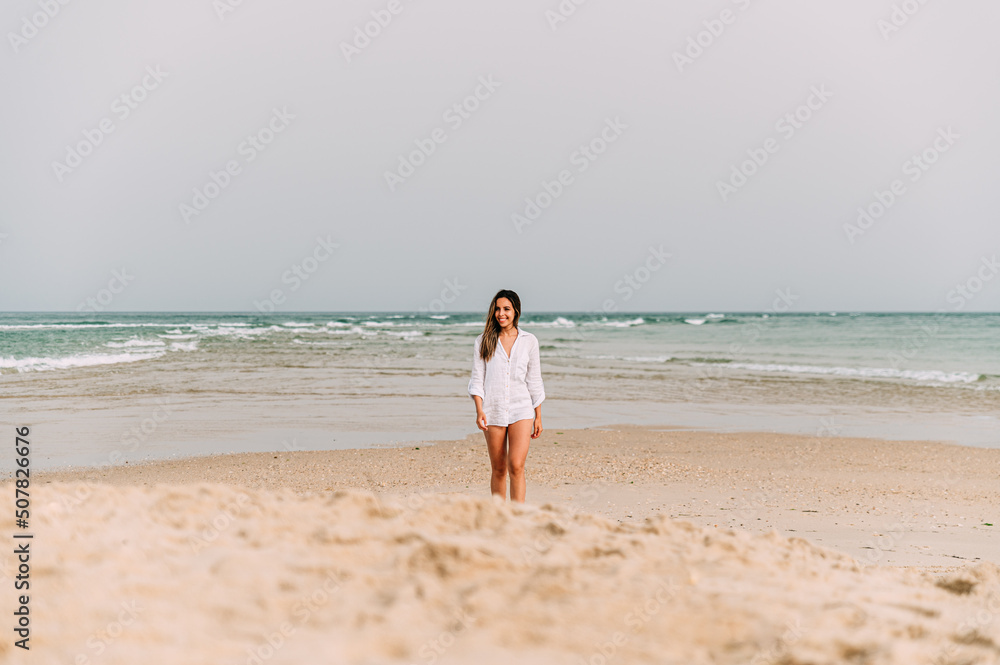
(638, 321)
(184, 346)
(134, 343)
(353, 330)
(67, 362)
(559, 322)
(239, 332)
(933, 375)
(404, 333)
(634, 359)
(694, 322)
(68, 326)
(401, 324)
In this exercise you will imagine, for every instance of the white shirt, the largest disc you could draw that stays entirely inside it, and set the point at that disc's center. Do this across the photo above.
(511, 387)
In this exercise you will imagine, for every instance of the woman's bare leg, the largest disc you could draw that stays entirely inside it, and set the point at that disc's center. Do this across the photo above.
(496, 444)
(518, 439)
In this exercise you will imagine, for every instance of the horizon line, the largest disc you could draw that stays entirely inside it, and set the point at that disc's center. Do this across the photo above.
(479, 313)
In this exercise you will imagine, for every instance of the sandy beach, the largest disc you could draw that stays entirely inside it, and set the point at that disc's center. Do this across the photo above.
(267, 266)
(636, 545)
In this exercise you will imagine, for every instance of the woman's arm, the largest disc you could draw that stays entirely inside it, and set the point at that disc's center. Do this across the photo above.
(536, 389)
(480, 414)
(533, 377)
(477, 385)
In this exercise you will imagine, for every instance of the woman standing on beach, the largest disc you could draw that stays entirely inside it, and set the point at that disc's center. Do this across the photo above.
(507, 388)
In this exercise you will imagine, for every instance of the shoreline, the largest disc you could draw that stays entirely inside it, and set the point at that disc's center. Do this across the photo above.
(894, 503)
(141, 430)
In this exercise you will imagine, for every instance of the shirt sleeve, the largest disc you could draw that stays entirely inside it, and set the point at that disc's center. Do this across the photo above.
(477, 384)
(534, 376)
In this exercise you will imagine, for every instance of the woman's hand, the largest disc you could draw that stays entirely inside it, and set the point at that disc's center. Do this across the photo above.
(537, 431)
(481, 420)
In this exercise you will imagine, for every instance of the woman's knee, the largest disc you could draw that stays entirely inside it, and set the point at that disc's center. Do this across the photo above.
(515, 469)
(500, 469)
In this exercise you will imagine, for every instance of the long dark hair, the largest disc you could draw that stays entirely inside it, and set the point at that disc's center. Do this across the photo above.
(491, 333)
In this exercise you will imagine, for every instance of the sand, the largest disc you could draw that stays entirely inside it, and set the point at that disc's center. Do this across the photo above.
(636, 546)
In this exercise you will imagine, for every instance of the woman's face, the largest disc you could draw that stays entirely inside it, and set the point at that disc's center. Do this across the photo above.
(504, 312)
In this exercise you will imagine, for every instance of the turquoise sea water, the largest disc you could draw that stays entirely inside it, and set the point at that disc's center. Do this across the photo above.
(152, 385)
(940, 350)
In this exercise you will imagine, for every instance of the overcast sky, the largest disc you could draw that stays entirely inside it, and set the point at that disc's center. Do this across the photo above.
(184, 85)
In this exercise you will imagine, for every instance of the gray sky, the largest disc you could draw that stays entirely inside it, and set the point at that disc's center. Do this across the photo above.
(884, 96)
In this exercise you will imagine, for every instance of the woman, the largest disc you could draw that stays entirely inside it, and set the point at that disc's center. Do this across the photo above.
(507, 388)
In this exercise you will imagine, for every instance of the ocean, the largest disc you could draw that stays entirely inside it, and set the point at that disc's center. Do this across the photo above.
(242, 381)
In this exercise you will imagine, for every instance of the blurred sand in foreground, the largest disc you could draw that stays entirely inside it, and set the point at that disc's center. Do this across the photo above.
(270, 558)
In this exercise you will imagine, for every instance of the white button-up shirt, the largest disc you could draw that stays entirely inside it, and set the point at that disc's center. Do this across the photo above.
(511, 387)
